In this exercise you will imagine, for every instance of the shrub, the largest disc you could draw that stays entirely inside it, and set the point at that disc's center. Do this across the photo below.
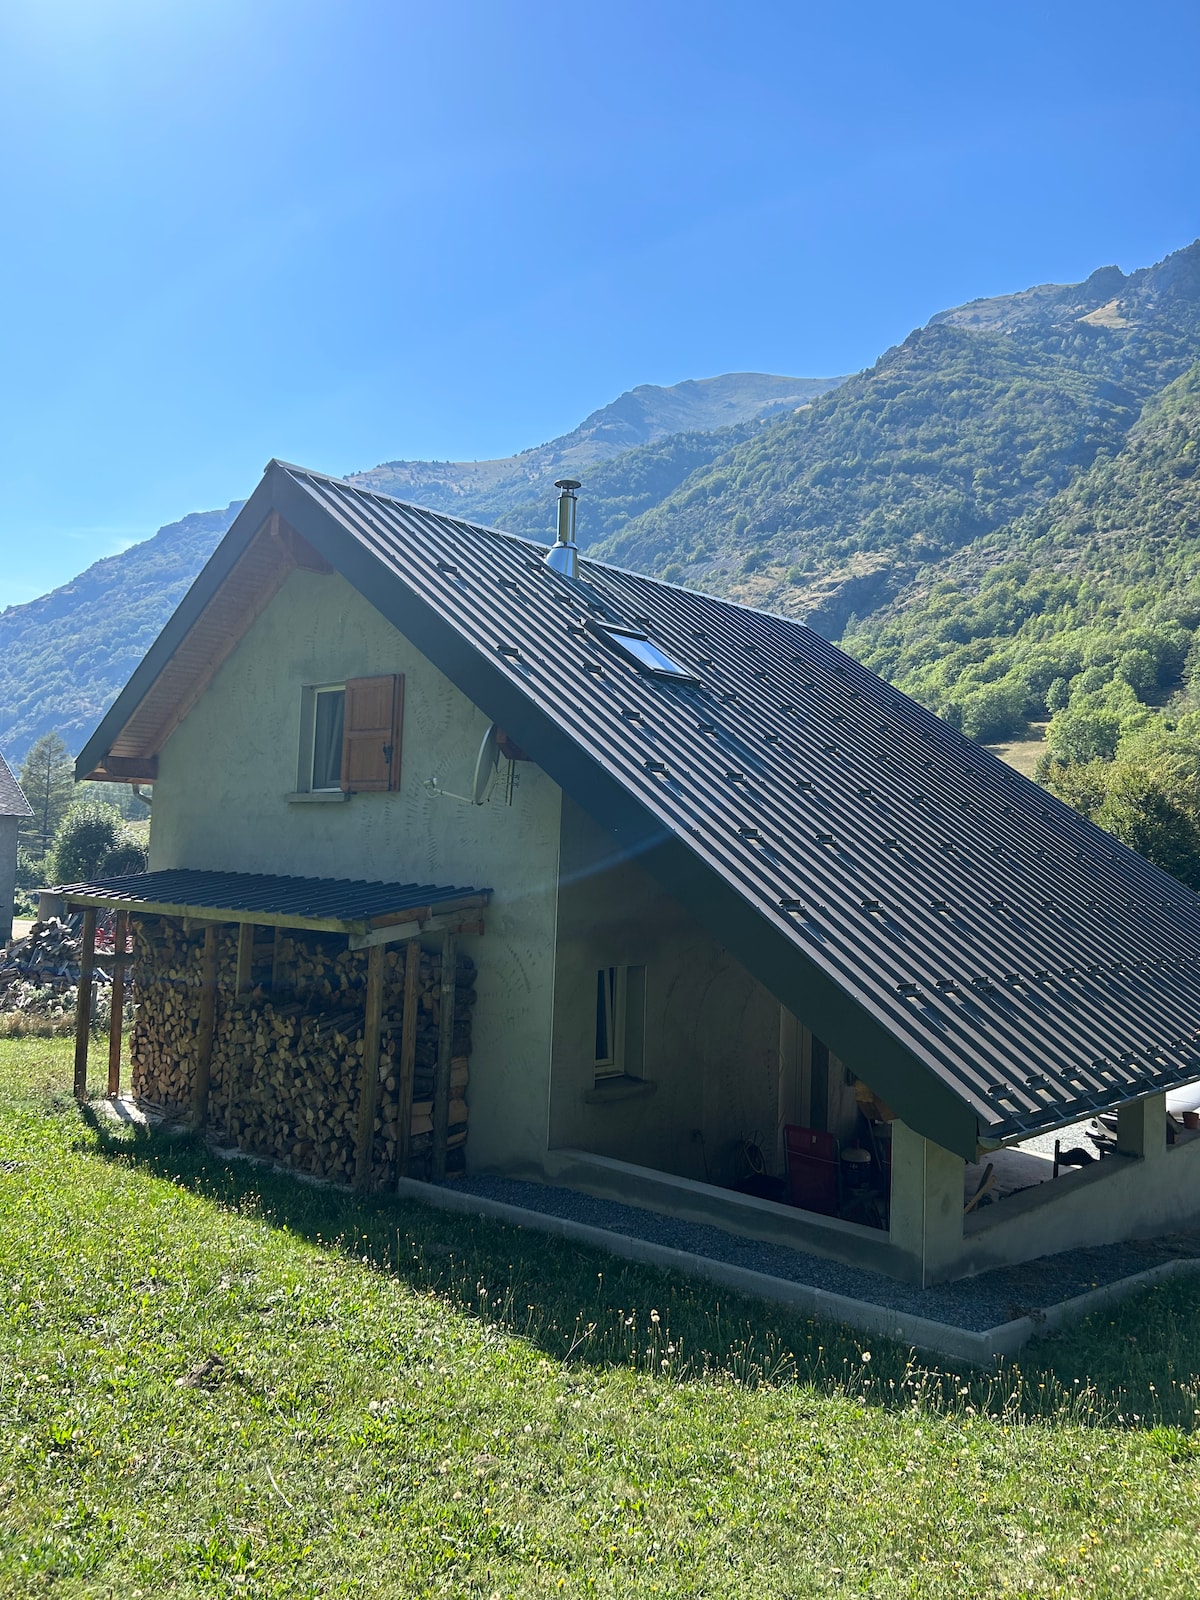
(93, 842)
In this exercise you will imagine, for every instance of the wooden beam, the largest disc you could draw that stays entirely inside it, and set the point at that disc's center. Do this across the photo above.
(245, 958)
(276, 961)
(83, 1003)
(401, 932)
(441, 1080)
(408, 1054)
(142, 769)
(368, 1097)
(204, 1028)
(117, 1006)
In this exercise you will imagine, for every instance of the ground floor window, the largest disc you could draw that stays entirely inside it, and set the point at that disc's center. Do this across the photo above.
(620, 1021)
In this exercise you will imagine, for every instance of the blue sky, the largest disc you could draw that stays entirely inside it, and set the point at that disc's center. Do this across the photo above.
(342, 231)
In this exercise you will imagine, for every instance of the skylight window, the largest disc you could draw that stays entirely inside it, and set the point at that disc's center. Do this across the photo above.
(644, 653)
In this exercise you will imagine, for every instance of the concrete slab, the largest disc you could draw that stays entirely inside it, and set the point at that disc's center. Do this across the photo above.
(959, 1344)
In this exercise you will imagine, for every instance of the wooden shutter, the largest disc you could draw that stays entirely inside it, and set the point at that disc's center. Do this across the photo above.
(371, 734)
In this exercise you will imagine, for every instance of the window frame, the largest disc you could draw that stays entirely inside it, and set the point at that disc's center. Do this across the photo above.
(307, 754)
(624, 640)
(620, 999)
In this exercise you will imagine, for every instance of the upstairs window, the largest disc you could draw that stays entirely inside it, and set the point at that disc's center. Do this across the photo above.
(352, 736)
(645, 654)
(328, 732)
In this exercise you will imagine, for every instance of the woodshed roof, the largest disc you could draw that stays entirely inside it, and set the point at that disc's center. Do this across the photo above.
(335, 905)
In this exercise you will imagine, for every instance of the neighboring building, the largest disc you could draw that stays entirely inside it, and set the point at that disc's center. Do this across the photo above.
(14, 808)
(737, 882)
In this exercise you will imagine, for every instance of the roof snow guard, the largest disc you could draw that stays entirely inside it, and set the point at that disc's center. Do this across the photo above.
(987, 960)
(368, 912)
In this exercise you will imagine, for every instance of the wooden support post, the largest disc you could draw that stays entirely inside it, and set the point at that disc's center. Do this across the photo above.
(83, 1005)
(204, 1028)
(242, 985)
(276, 962)
(245, 957)
(369, 1093)
(441, 1081)
(408, 1053)
(117, 1009)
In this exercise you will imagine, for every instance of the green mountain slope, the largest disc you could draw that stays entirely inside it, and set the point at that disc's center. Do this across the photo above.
(1092, 599)
(64, 656)
(972, 421)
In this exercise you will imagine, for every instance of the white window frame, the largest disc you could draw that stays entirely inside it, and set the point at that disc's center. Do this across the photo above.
(308, 737)
(621, 990)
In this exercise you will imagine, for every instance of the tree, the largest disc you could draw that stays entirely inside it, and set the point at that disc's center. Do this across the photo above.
(48, 779)
(1084, 734)
(94, 843)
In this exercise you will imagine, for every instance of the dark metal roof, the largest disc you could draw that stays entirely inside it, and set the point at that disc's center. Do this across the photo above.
(990, 962)
(12, 799)
(342, 903)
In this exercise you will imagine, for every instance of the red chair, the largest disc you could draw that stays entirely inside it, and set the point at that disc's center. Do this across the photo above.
(813, 1169)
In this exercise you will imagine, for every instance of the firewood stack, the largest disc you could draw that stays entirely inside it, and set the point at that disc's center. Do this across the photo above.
(286, 1068)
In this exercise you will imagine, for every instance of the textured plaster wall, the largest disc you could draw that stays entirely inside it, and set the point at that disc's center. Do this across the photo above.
(712, 1038)
(221, 801)
(8, 873)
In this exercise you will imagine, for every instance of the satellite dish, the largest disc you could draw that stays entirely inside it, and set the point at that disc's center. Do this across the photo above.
(485, 765)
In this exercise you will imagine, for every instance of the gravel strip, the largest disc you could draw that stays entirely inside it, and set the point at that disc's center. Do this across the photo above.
(975, 1304)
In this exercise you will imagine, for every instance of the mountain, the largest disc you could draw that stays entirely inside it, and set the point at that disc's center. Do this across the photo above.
(487, 490)
(850, 504)
(1094, 597)
(64, 656)
(976, 419)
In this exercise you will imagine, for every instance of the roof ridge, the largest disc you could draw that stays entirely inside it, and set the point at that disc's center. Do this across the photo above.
(534, 544)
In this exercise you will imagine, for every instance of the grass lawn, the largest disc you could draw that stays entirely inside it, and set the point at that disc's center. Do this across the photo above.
(223, 1382)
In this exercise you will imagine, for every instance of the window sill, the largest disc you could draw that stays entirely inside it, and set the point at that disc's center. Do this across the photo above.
(316, 797)
(619, 1088)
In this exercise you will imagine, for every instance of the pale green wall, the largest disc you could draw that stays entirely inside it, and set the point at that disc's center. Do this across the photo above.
(221, 802)
(712, 1045)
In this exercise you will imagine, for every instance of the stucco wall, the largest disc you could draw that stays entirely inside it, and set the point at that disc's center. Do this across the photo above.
(712, 1034)
(8, 873)
(221, 802)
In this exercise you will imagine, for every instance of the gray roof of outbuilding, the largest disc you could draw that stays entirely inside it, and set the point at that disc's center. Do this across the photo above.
(290, 901)
(990, 962)
(12, 797)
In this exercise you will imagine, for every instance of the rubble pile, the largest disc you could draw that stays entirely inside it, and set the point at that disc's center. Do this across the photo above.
(39, 979)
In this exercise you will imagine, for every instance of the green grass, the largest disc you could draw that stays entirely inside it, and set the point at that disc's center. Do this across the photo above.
(222, 1382)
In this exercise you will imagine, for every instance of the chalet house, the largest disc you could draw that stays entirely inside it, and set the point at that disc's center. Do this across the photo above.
(14, 808)
(722, 905)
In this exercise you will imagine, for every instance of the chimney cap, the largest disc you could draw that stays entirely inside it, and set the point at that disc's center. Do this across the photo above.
(567, 483)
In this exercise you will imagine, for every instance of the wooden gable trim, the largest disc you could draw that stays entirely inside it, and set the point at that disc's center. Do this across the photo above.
(273, 552)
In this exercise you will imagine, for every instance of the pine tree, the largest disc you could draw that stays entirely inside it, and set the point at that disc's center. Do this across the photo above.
(48, 780)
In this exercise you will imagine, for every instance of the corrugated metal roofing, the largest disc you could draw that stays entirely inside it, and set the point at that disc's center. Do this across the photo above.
(1029, 962)
(12, 799)
(242, 894)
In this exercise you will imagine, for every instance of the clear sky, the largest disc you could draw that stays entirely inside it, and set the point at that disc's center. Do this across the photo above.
(345, 231)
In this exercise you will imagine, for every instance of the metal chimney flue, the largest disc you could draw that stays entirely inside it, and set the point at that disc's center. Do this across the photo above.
(564, 553)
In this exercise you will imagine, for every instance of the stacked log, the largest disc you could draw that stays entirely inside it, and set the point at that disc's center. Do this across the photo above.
(286, 1068)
